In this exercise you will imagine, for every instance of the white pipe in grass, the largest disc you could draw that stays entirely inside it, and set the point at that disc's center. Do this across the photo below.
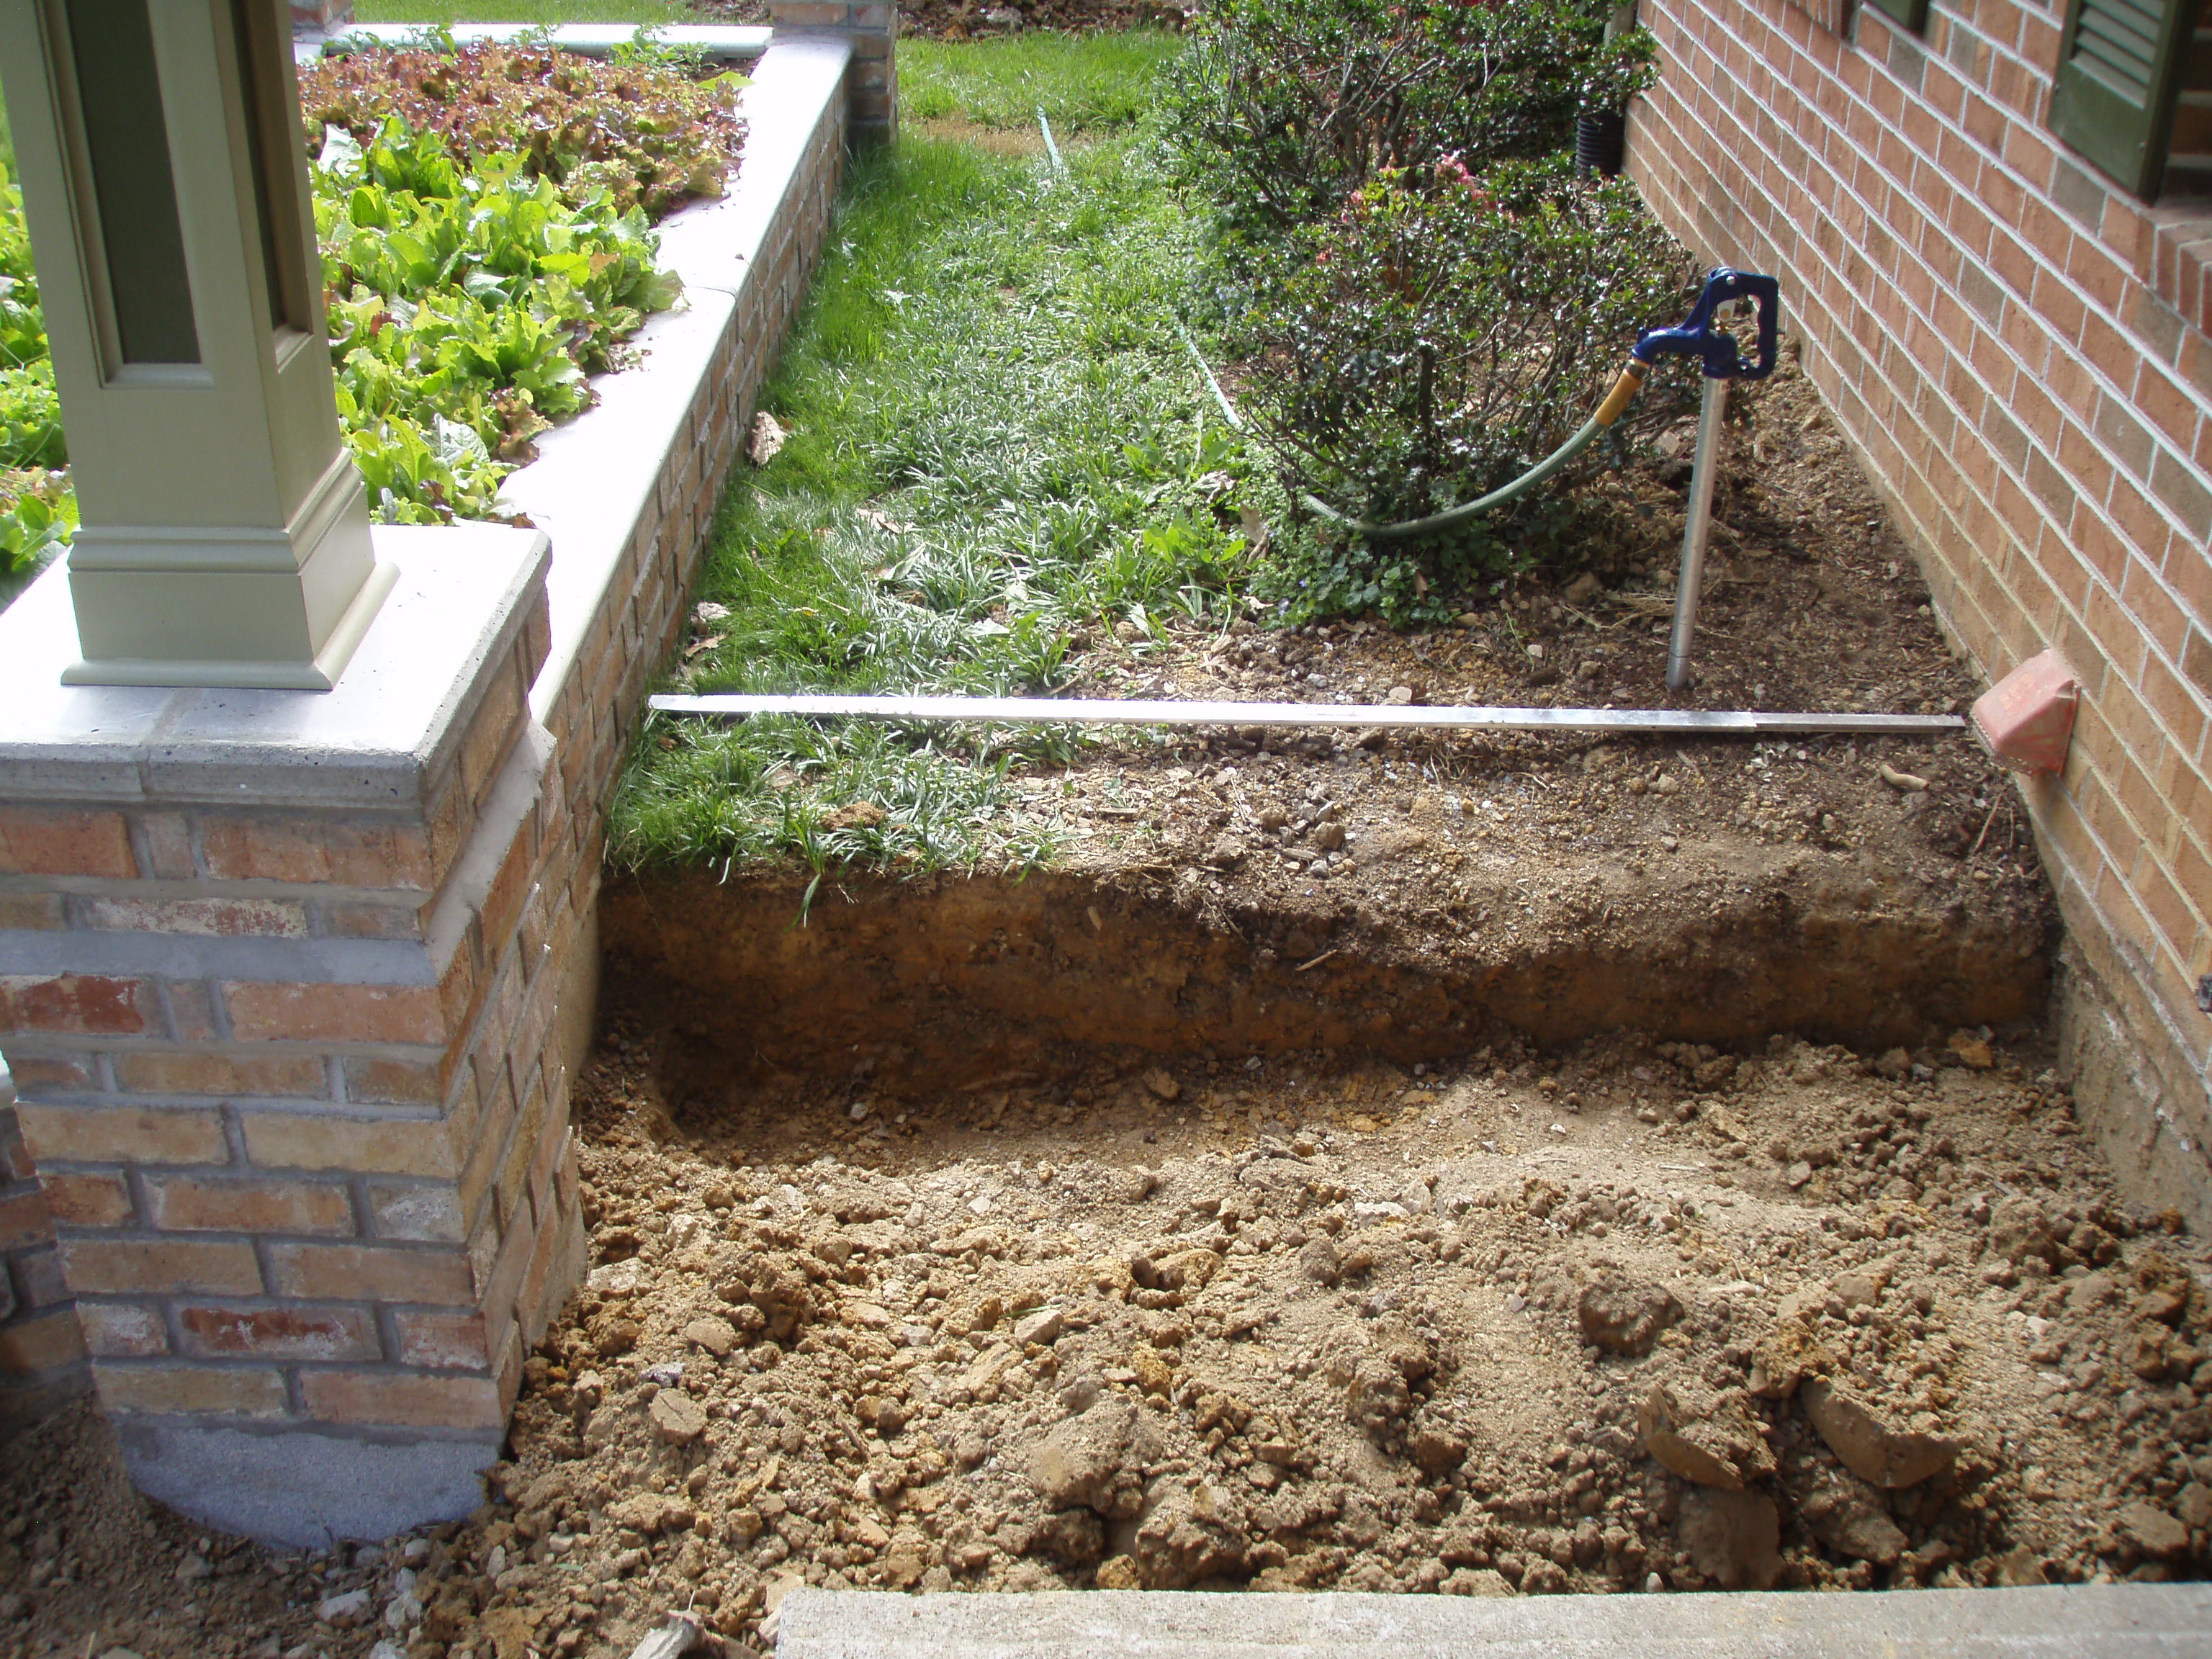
(1106, 711)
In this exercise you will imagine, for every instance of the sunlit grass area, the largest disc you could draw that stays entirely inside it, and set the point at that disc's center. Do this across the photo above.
(1081, 81)
(996, 444)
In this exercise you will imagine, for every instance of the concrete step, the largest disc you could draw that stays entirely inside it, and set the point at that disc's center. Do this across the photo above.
(2109, 1622)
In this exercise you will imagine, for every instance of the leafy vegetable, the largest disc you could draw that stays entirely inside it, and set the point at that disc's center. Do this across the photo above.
(484, 218)
(37, 514)
(466, 308)
(641, 130)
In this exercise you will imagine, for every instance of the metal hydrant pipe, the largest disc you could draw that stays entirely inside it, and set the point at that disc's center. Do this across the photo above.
(1696, 530)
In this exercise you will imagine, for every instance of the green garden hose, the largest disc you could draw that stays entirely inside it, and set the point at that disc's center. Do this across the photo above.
(1616, 401)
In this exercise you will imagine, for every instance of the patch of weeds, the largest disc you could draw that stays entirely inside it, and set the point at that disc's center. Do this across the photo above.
(996, 449)
(1083, 82)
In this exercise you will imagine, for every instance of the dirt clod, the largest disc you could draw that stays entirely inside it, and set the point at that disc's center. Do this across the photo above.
(1870, 1447)
(1712, 1437)
(1626, 1318)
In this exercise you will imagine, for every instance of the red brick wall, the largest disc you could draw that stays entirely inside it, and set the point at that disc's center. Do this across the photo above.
(2018, 352)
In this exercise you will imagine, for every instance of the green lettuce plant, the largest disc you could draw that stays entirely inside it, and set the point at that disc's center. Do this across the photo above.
(485, 223)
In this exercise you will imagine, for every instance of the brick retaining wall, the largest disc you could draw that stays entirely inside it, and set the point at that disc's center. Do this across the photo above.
(295, 1073)
(2018, 353)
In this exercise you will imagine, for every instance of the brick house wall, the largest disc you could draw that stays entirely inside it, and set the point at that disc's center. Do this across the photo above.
(2019, 354)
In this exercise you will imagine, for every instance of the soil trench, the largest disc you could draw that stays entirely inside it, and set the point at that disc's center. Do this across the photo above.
(946, 983)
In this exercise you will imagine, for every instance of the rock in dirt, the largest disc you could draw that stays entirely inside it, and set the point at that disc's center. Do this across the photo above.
(1042, 1328)
(1097, 1460)
(1118, 1574)
(344, 1610)
(1623, 1317)
(2019, 1568)
(1871, 1449)
(2150, 1531)
(678, 1419)
(2193, 1504)
(717, 1336)
(1319, 1261)
(1708, 1436)
(1848, 1516)
(1972, 1050)
(680, 1635)
(1733, 1538)
(1163, 1085)
(1784, 1357)
(767, 439)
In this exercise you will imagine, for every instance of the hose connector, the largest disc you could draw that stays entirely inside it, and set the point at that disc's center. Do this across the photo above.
(1624, 389)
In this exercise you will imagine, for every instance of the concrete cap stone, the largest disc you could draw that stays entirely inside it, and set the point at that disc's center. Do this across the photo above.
(391, 724)
(2110, 1621)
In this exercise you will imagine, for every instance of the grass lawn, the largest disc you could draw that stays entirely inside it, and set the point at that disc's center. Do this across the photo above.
(997, 443)
(1083, 82)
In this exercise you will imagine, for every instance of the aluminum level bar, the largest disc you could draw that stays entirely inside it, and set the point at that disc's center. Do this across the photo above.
(1103, 711)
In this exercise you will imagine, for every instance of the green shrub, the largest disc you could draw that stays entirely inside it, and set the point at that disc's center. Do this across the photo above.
(37, 512)
(1280, 109)
(1426, 345)
(1422, 347)
(30, 414)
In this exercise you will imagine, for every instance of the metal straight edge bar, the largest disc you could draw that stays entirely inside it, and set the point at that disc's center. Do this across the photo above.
(1100, 711)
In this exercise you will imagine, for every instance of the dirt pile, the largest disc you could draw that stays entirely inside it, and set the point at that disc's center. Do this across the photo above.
(1615, 1318)
(1537, 1325)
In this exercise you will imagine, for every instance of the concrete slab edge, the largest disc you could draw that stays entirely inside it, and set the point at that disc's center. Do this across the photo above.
(2116, 1621)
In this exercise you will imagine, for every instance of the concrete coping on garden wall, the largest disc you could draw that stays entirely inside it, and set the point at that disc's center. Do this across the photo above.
(596, 477)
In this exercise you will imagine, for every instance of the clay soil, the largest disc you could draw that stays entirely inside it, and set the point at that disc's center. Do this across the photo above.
(1480, 1165)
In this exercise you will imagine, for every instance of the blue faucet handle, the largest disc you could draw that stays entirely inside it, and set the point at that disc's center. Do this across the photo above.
(1696, 336)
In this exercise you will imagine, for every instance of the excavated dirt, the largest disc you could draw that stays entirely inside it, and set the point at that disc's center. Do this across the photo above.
(938, 984)
(1491, 1166)
(1285, 1324)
